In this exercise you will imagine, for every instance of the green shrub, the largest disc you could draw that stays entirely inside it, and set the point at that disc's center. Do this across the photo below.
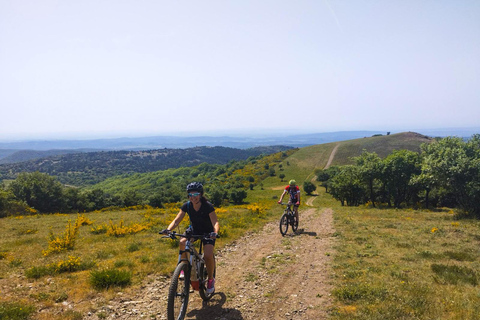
(15, 311)
(104, 279)
(132, 247)
(38, 272)
(352, 292)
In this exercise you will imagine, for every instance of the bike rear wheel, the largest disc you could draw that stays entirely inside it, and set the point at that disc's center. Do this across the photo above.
(178, 293)
(284, 224)
(203, 282)
(294, 223)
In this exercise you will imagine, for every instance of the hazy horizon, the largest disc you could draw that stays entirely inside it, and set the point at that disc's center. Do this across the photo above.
(95, 69)
(247, 133)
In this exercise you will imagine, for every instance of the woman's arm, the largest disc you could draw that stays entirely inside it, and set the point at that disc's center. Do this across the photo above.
(214, 220)
(177, 220)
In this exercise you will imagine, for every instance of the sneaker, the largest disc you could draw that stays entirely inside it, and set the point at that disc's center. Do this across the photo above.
(210, 286)
(182, 275)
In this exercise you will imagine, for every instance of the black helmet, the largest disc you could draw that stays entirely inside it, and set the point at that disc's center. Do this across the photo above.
(197, 186)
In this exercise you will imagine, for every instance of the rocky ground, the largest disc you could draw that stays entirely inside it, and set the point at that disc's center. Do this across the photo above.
(261, 276)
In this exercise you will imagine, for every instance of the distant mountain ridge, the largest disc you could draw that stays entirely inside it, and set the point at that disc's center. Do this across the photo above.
(88, 168)
(160, 142)
(26, 155)
(243, 141)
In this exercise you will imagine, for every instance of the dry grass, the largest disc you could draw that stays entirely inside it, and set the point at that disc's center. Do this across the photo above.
(135, 249)
(406, 264)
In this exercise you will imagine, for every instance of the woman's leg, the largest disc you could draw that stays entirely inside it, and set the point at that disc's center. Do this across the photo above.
(183, 242)
(209, 259)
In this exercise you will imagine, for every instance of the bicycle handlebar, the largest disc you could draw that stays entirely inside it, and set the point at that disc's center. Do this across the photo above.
(174, 235)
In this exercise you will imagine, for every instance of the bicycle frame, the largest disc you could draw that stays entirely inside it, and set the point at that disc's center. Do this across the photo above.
(288, 218)
(194, 259)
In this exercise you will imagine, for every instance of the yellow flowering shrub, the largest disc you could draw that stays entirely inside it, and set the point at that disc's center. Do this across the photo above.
(69, 265)
(121, 229)
(62, 242)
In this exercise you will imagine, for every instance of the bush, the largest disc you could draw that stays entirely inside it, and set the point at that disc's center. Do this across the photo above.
(15, 310)
(309, 187)
(238, 195)
(104, 279)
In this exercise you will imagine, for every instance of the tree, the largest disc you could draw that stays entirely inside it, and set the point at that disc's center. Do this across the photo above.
(454, 165)
(309, 187)
(155, 201)
(40, 191)
(398, 168)
(216, 195)
(370, 166)
(281, 176)
(238, 195)
(97, 199)
(10, 206)
(326, 175)
(346, 186)
(75, 200)
(131, 198)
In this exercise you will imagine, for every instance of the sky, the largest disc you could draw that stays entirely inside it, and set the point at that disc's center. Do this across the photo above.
(111, 68)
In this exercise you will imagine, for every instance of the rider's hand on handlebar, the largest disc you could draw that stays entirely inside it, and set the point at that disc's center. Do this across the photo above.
(298, 203)
(213, 235)
(165, 231)
(280, 202)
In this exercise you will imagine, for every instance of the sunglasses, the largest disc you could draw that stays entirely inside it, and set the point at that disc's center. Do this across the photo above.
(196, 194)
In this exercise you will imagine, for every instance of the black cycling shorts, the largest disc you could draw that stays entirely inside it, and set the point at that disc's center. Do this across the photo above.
(208, 241)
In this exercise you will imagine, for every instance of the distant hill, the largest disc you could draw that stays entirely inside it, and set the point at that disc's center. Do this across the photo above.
(24, 155)
(160, 142)
(88, 168)
(309, 158)
(299, 164)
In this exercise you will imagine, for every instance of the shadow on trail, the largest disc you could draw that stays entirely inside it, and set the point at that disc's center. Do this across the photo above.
(213, 309)
(300, 232)
(308, 233)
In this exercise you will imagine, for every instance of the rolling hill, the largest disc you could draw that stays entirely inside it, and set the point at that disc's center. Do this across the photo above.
(80, 169)
(309, 158)
(299, 165)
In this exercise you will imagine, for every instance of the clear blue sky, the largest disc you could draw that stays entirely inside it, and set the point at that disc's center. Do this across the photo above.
(117, 68)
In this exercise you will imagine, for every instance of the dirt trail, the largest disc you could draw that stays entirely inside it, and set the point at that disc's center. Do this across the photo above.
(261, 276)
(332, 155)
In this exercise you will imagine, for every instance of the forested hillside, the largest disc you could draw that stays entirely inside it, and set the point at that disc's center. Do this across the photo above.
(81, 169)
(15, 156)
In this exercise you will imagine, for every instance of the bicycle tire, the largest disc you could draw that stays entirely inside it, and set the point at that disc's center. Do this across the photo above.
(178, 293)
(284, 224)
(294, 223)
(203, 282)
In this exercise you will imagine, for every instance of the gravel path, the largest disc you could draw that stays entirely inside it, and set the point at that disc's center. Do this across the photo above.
(261, 276)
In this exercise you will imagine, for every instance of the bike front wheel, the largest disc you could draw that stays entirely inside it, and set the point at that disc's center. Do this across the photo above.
(178, 293)
(203, 282)
(284, 224)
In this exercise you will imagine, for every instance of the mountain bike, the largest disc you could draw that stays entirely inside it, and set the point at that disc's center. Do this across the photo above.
(288, 219)
(194, 274)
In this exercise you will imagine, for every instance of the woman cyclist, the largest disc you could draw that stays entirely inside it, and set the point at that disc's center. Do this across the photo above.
(203, 220)
(294, 191)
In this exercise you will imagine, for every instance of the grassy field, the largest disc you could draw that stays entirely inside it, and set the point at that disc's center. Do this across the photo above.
(388, 264)
(406, 264)
(36, 274)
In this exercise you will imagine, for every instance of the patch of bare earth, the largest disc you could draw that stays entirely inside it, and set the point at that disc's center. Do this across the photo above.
(261, 276)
